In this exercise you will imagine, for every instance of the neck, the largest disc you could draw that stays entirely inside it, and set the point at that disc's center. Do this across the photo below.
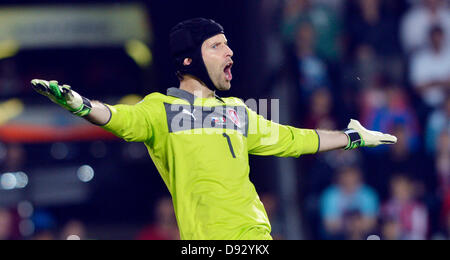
(195, 87)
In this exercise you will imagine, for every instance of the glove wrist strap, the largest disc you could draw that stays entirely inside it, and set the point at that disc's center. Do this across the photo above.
(84, 109)
(354, 139)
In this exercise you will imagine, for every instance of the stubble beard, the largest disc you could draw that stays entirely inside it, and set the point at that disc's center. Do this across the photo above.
(224, 86)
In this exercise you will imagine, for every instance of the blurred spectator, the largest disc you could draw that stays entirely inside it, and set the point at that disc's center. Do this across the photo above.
(367, 66)
(401, 156)
(6, 224)
(430, 69)
(368, 25)
(74, 230)
(418, 21)
(324, 21)
(447, 227)
(444, 233)
(349, 208)
(270, 202)
(356, 75)
(273, 47)
(311, 69)
(390, 229)
(387, 106)
(320, 114)
(438, 121)
(165, 226)
(317, 175)
(357, 226)
(402, 208)
(443, 162)
(323, 166)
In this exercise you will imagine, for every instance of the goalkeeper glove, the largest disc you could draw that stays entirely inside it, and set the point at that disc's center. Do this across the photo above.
(358, 136)
(63, 96)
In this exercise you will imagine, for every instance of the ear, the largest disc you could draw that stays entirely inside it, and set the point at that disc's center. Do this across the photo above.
(187, 61)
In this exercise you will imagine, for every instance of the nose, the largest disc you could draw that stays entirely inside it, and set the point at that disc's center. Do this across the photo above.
(229, 51)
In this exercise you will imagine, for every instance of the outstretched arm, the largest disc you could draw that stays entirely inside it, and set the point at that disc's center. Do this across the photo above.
(100, 114)
(269, 138)
(353, 137)
(131, 123)
(93, 111)
(331, 140)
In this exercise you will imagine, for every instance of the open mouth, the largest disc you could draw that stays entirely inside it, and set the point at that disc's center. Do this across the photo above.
(227, 71)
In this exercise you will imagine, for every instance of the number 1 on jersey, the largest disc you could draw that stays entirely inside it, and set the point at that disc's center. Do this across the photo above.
(230, 145)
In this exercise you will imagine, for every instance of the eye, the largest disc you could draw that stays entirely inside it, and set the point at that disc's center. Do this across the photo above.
(215, 46)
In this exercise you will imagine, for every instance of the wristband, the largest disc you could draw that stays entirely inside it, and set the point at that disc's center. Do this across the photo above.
(354, 139)
(84, 109)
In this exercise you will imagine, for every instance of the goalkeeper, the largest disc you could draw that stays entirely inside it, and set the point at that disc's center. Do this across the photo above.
(200, 142)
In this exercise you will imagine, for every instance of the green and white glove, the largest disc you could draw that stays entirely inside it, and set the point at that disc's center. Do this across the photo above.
(358, 136)
(63, 96)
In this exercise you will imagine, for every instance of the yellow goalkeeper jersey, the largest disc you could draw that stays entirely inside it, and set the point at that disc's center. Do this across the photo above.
(200, 147)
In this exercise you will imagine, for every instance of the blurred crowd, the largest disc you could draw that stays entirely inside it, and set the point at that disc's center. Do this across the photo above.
(384, 62)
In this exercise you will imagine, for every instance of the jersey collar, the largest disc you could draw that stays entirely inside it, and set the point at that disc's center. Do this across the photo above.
(183, 94)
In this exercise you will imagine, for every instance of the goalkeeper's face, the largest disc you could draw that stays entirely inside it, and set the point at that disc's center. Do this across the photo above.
(217, 57)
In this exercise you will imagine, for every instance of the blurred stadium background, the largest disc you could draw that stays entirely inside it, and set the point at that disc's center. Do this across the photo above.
(384, 62)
